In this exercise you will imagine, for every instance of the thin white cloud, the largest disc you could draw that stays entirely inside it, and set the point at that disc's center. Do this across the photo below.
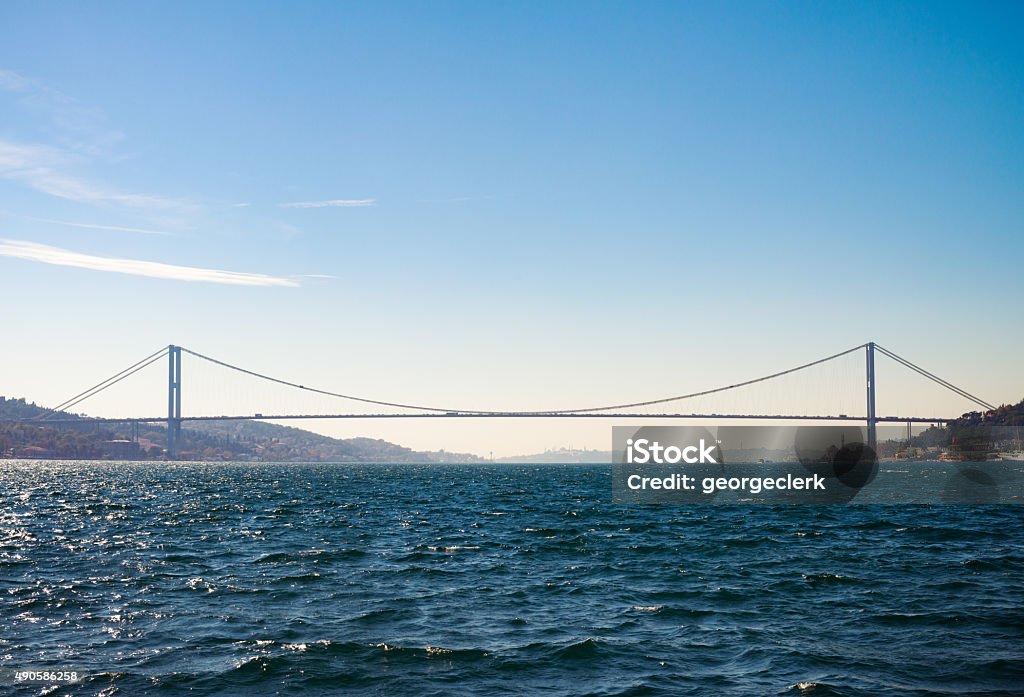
(80, 127)
(25, 158)
(319, 275)
(333, 203)
(81, 136)
(42, 168)
(13, 81)
(93, 226)
(45, 254)
(458, 199)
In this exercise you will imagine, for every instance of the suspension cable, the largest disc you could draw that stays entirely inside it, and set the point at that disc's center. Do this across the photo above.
(557, 411)
(319, 391)
(935, 378)
(99, 387)
(152, 358)
(717, 389)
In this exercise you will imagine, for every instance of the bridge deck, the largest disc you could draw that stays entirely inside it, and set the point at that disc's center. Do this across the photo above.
(494, 415)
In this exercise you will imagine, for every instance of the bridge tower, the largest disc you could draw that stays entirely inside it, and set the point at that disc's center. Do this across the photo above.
(173, 400)
(872, 419)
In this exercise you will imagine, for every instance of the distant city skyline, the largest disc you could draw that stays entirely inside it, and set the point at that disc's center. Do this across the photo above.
(512, 207)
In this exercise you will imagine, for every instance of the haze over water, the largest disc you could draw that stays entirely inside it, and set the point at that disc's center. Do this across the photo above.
(491, 579)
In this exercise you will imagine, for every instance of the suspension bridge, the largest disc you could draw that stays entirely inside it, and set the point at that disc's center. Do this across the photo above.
(626, 410)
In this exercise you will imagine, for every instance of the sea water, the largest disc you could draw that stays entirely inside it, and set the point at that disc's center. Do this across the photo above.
(309, 579)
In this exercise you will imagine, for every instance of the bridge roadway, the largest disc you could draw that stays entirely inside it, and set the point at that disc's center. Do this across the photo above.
(492, 415)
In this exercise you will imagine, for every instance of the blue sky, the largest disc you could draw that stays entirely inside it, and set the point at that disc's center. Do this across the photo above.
(520, 205)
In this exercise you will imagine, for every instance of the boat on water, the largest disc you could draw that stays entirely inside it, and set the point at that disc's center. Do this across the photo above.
(1015, 456)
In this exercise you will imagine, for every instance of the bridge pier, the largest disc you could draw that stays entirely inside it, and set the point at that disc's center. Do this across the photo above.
(872, 419)
(173, 400)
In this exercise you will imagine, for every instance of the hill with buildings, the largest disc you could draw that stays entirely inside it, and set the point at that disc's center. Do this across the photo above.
(976, 435)
(24, 433)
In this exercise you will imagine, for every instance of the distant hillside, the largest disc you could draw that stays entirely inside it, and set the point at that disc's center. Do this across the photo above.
(975, 435)
(1011, 415)
(561, 456)
(202, 440)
